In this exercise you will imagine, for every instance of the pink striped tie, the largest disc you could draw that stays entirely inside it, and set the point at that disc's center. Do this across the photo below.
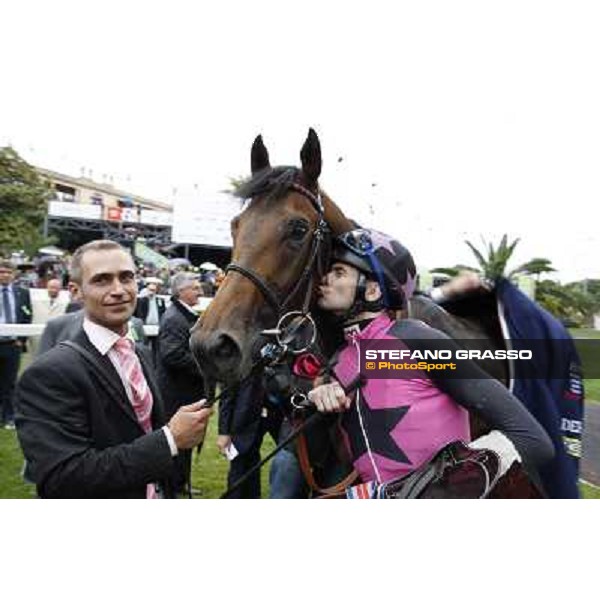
(141, 395)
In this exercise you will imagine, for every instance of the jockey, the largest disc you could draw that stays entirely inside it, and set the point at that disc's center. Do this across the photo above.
(393, 426)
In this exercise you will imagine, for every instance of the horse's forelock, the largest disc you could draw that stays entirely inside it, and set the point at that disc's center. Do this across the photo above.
(273, 182)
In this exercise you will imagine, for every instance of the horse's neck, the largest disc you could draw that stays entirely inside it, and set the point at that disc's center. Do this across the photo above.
(335, 217)
(459, 328)
(478, 321)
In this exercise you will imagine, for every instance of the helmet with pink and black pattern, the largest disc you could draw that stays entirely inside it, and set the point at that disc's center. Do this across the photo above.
(382, 259)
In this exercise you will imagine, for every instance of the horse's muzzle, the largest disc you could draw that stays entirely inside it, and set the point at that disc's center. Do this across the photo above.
(219, 356)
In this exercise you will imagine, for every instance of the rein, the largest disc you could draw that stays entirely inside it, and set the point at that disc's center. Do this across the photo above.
(279, 303)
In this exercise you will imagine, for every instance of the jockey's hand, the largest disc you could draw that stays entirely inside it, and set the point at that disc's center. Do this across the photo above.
(329, 398)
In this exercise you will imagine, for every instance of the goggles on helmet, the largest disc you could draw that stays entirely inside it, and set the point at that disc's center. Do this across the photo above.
(358, 241)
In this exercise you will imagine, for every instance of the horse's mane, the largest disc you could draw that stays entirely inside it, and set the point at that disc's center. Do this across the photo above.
(274, 182)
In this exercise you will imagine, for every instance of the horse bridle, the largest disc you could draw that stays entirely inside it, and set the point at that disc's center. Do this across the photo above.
(271, 295)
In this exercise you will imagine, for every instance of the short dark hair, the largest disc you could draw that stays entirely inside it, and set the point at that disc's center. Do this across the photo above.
(75, 272)
(6, 264)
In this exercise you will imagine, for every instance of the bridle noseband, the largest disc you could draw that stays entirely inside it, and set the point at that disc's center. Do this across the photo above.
(273, 296)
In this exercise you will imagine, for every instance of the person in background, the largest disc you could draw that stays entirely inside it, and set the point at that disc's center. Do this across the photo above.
(244, 420)
(178, 375)
(45, 307)
(75, 302)
(15, 307)
(150, 306)
(150, 309)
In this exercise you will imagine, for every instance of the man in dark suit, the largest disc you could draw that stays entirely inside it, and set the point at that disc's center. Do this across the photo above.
(178, 376)
(243, 422)
(89, 415)
(150, 309)
(15, 307)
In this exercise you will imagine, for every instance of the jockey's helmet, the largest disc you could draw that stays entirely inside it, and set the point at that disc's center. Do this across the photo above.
(380, 258)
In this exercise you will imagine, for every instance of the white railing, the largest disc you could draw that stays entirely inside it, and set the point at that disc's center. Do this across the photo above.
(36, 329)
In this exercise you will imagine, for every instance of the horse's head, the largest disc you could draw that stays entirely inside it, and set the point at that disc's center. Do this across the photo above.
(277, 240)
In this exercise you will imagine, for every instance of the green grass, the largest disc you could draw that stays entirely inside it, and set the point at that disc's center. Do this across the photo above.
(589, 492)
(592, 386)
(209, 469)
(585, 333)
(592, 389)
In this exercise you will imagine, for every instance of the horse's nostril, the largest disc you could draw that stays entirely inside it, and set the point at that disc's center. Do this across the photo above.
(225, 349)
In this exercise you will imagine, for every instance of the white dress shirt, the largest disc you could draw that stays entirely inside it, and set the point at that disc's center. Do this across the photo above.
(152, 317)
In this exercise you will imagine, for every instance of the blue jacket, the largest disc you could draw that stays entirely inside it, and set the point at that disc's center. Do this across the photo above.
(555, 400)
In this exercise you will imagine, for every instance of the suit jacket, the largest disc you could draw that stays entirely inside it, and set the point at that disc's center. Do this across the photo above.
(22, 304)
(79, 432)
(23, 312)
(246, 416)
(65, 327)
(178, 375)
(142, 307)
(43, 311)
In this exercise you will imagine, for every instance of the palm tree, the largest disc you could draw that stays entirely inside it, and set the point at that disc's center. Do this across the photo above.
(494, 264)
(535, 266)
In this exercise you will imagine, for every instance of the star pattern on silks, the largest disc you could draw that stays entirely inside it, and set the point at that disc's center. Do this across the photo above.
(379, 424)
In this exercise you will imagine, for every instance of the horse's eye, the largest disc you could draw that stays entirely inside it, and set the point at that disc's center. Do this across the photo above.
(298, 230)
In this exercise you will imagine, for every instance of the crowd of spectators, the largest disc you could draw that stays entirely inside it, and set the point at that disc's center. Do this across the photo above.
(39, 291)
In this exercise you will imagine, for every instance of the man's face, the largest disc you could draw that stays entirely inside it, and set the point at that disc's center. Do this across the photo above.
(6, 276)
(108, 289)
(190, 294)
(53, 286)
(152, 288)
(338, 288)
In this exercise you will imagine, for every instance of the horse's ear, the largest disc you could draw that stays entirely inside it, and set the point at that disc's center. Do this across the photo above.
(259, 156)
(310, 155)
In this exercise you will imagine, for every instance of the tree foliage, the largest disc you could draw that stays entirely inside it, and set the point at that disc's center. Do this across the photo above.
(573, 303)
(24, 197)
(494, 264)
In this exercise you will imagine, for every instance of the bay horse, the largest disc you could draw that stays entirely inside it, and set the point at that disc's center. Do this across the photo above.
(270, 272)
(279, 248)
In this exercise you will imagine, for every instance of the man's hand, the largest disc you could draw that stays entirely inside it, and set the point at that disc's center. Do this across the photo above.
(464, 283)
(329, 397)
(188, 424)
(223, 442)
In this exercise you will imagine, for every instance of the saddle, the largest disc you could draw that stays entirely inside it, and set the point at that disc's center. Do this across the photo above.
(460, 472)
(456, 471)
